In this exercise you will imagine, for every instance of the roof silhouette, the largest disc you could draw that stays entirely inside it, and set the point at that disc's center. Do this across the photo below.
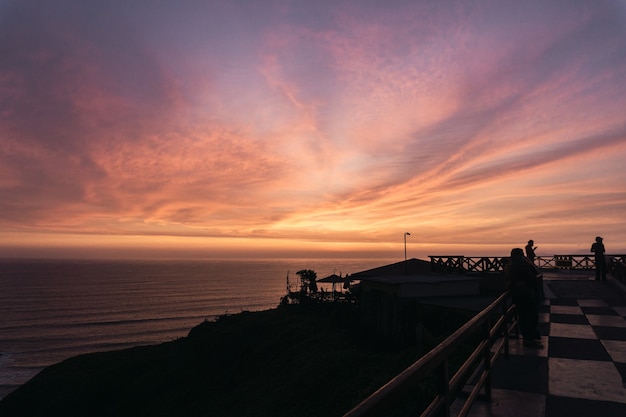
(411, 266)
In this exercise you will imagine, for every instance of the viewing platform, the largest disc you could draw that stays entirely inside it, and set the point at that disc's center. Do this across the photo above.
(581, 371)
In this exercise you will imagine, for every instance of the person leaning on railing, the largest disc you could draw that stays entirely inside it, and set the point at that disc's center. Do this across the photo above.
(522, 280)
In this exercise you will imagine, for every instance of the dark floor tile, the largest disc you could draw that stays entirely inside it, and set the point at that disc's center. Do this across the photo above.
(543, 308)
(610, 333)
(571, 348)
(544, 329)
(578, 407)
(568, 318)
(564, 302)
(621, 368)
(616, 302)
(602, 311)
(521, 373)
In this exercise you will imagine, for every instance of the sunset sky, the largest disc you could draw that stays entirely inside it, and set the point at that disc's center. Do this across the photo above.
(305, 128)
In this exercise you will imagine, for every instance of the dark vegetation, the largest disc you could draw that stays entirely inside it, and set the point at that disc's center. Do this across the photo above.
(302, 359)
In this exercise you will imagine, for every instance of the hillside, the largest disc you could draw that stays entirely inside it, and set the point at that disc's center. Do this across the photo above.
(292, 361)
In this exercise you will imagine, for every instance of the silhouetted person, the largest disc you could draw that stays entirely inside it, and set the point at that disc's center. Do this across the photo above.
(530, 251)
(522, 280)
(598, 249)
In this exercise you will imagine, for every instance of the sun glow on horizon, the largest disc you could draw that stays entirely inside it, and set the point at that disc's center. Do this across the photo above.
(75, 246)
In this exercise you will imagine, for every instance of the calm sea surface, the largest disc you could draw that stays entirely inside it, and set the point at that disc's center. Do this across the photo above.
(52, 310)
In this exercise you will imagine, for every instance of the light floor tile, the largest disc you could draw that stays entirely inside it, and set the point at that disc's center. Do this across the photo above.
(591, 380)
(617, 350)
(609, 321)
(578, 331)
(548, 294)
(592, 303)
(544, 317)
(565, 310)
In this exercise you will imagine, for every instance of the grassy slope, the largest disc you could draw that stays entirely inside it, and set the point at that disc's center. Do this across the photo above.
(292, 361)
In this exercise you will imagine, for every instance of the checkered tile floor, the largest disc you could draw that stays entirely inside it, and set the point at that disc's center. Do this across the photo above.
(581, 371)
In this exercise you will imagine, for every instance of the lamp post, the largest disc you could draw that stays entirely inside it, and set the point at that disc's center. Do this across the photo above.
(405, 235)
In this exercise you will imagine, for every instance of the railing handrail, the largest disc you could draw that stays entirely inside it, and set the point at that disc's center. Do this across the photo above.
(409, 378)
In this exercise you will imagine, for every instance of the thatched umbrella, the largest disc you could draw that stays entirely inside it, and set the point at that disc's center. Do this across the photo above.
(334, 279)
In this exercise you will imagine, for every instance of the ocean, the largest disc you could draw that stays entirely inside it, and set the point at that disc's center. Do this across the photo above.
(51, 310)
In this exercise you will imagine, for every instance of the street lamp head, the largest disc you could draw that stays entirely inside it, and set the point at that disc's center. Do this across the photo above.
(405, 263)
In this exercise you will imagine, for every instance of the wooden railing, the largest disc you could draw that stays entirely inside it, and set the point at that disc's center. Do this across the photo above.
(572, 261)
(462, 264)
(494, 341)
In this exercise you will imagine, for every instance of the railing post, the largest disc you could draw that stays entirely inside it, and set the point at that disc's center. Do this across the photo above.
(443, 387)
(505, 333)
(487, 359)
